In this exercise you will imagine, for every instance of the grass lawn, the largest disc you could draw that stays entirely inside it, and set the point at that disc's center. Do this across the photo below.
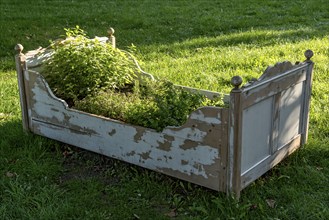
(193, 43)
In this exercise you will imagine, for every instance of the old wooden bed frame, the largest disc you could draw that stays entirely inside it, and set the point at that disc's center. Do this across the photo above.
(223, 149)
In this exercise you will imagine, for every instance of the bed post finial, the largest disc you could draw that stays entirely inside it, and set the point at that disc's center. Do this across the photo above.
(111, 37)
(236, 81)
(19, 48)
(20, 57)
(308, 54)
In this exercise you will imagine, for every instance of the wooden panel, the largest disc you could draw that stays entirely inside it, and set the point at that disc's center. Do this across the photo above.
(259, 169)
(290, 114)
(273, 128)
(263, 90)
(191, 152)
(256, 133)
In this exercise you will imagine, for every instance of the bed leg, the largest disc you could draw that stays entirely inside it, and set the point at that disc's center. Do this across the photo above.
(234, 157)
(20, 68)
(305, 120)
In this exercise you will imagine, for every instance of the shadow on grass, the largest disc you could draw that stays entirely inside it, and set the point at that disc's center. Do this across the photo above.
(11, 131)
(81, 164)
(156, 23)
(251, 38)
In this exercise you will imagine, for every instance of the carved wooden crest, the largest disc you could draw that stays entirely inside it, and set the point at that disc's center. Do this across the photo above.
(279, 68)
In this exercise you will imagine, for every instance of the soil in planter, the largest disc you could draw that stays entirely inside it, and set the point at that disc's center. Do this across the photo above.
(95, 77)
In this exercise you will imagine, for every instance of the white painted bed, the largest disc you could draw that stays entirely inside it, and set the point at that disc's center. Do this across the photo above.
(223, 149)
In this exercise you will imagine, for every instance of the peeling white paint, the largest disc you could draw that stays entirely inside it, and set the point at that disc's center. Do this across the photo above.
(198, 115)
(43, 108)
(187, 133)
(123, 142)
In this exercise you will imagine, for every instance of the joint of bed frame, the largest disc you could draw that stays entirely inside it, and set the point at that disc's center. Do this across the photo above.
(111, 37)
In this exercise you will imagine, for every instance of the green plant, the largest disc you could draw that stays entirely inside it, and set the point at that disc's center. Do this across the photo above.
(80, 66)
(165, 105)
(152, 104)
(99, 79)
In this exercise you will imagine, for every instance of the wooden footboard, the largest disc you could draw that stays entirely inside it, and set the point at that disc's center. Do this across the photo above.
(268, 120)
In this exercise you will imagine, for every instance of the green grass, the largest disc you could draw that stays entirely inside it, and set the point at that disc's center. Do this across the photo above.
(192, 43)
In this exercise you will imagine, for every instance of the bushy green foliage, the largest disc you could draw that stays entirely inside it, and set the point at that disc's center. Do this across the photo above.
(165, 105)
(154, 104)
(99, 79)
(80, 66)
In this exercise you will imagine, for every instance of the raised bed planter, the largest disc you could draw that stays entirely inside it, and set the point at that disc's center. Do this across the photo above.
(223, 149)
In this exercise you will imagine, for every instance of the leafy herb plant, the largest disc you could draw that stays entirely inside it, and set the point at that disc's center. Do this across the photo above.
(95, 77)
(80, 66)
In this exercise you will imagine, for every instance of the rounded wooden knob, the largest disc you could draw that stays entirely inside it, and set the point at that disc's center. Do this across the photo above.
(19, 48)
(308, 54)
(236, 81)
(110, 31)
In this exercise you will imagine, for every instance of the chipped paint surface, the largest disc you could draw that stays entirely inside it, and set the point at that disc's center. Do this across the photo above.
(198, 115)
(187, 152)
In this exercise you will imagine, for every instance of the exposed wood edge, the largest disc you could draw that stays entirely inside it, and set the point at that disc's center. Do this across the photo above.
(263, 166)
(308, 90)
